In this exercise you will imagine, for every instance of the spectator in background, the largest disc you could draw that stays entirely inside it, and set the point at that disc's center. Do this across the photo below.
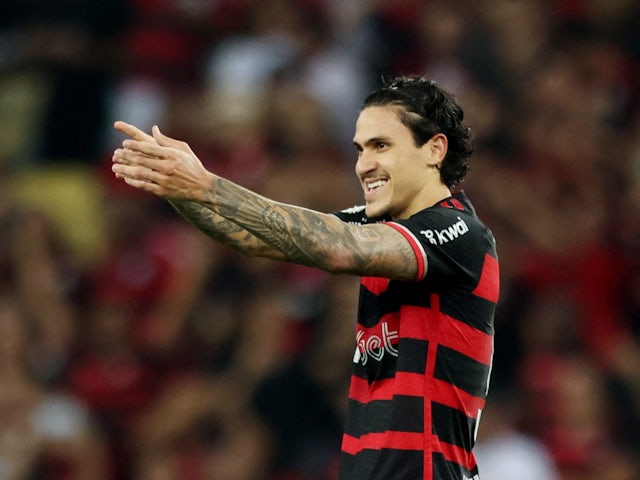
(73, 47)
(567, 405)
(42, 430)
(504, 451)
(292, 42)
(201, 429)
(551, 90)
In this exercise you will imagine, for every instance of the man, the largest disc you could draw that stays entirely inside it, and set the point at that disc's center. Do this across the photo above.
(428, 265)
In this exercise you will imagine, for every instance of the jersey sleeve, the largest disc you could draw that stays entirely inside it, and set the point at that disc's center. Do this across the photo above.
(418, 249)
(450, 246)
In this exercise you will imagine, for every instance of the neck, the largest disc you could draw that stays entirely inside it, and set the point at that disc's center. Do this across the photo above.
(429, 197)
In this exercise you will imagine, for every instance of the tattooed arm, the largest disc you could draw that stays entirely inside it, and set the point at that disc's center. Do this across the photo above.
(224, 231)
(207, 221)
(169, 169)
(315, 239)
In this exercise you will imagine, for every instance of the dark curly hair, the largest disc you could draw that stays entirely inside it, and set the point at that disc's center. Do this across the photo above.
(428, 109)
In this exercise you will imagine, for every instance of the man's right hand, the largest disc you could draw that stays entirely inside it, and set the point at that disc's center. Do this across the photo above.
(160, 165)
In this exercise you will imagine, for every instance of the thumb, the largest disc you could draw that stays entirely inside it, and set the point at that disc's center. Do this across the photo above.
(161, 138)
(165, 141)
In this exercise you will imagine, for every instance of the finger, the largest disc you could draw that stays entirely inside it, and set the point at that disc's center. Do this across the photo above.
(127, 156)
(137, 172)
(166, 141)
(128, 164)
(134, 164)
(147, 148)
(120, 156)
(143, 185)
(132, 131)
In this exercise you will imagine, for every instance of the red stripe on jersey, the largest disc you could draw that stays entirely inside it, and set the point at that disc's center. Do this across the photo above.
(421, 255)
(452, 203)
(454, 453)
(457, 204)
(376, 441)
(359, 389)
(427, 457)
(350, 444)
(451, 396)
(428, 324)
(375, 285)
(489, 285)
(407, 383)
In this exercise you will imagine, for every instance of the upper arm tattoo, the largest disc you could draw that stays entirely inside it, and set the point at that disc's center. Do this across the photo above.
(383, 251)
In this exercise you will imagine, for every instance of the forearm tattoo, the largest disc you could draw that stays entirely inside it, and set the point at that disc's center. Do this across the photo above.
(223, 230)
(307, 237)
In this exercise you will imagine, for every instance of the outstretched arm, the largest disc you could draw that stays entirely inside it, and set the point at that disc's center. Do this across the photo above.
(169, 169)
(224, 231)
(215, 226)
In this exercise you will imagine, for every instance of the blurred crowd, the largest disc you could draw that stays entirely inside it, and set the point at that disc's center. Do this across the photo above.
(133, 347)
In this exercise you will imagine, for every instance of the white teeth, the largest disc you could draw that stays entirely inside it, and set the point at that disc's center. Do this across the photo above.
(376, 184)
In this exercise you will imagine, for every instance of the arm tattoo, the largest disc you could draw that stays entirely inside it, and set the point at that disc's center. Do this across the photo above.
(223, 230)
(312, 238)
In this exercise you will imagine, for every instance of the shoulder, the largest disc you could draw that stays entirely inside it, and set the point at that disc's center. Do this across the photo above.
(355, 215)
(452, 221)
(455, 211)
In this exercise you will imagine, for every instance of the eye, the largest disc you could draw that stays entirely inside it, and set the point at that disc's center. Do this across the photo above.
(381, 146)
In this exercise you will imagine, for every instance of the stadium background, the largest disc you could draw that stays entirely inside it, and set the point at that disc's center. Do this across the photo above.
(131, 347)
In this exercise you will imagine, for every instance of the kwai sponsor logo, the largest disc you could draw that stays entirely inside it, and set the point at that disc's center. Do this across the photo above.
(446, 235)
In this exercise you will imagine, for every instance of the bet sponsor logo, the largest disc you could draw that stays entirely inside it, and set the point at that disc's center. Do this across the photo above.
(375, 346)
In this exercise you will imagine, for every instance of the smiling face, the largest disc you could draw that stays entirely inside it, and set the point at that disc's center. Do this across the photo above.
(398, 177)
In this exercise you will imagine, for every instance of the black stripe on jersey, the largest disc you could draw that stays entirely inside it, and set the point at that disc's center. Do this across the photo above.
(413, 355)
(376, 369)
(476, 313)
(383, 464)
(461, 371)
(416, 294)
(452, 426)
(347, 467)
(407, 415)
(442, 468)
(397, 294)
(356, 418)
(359, 370)
(371, 316)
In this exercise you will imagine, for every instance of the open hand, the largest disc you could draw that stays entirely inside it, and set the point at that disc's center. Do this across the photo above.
(160, 165)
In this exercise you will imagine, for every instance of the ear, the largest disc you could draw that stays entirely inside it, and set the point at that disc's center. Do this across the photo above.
(436, 149)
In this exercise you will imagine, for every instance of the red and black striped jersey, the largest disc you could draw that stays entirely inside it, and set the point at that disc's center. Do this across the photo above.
(424, 351)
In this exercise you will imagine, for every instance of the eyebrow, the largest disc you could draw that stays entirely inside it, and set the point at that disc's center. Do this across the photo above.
(373, 141)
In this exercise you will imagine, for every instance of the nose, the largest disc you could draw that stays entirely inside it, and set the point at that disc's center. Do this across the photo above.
(365, 164)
